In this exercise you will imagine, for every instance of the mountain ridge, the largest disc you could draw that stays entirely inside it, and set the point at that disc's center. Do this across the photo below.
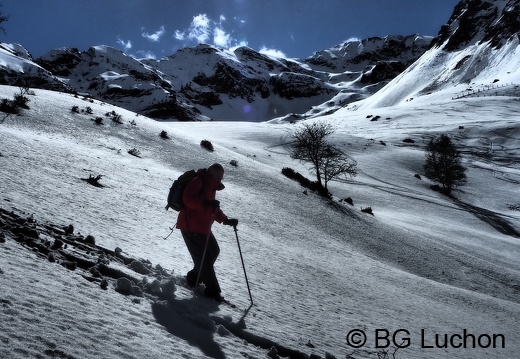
(206, 82)
(477, 46)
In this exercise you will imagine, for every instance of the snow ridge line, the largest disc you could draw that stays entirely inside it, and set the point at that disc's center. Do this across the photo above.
(99, 265)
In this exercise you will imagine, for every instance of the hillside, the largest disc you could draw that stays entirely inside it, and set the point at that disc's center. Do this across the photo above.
(317, 270)
(91, 266)
(478, 48)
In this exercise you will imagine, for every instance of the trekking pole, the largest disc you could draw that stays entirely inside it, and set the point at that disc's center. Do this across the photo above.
(171, 231)
(204, 254)
(243, 266)
(202, 261)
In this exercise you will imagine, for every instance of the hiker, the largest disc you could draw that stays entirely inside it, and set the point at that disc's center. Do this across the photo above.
(200, 209)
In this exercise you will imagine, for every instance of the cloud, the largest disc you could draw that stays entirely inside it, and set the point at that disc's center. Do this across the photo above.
(146, 55)
(200, 28)
(180, 35)
(203, 30)
(221, 38)
(127, 45)
(271, 52)
(156, 36)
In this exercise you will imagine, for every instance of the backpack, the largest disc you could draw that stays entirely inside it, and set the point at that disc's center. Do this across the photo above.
(177, 189)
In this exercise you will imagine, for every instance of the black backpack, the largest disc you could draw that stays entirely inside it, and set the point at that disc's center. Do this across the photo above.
(177, 189)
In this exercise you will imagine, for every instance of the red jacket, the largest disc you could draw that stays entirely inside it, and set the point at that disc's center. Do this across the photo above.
(194, 216)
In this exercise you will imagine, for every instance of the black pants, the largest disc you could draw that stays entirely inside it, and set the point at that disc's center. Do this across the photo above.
(196, 243)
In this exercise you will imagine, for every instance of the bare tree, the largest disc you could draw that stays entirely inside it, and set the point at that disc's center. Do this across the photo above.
(443, 164)
(328, 161)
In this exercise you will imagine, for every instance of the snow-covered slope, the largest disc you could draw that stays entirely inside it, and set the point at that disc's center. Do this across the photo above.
(478, 50)
(426, 264)
(18, 68)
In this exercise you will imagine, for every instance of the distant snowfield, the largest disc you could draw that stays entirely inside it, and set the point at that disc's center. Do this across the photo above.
(424, 264)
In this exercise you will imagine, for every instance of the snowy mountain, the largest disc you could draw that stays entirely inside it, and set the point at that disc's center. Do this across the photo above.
(85, 271)
(207, 82)
(479, 48)
(18, 68)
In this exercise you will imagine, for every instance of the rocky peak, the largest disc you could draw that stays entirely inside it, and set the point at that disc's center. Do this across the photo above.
(474, 21)
(356, 54)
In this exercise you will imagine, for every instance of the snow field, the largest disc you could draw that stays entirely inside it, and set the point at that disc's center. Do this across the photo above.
(317, 270)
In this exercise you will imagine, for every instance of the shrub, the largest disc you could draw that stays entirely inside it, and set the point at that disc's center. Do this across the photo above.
(233, 163)
(117, 119)
(305, 182)
(98, 120)
(94, 181)
(164, 135)
(89, 110)
(19, 101)
(134, 152)
(9, 107)
(207, 145)
(443, 164)
(367, 210)
(75, 109)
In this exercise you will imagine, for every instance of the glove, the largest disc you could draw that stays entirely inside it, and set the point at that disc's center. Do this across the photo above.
(231, 222)
(211, 203)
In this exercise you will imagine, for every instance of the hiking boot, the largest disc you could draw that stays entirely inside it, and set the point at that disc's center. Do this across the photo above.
(191, 278)
(215, 296)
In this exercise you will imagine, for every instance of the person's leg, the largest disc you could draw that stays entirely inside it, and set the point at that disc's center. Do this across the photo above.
(195, 244)
(208, 275)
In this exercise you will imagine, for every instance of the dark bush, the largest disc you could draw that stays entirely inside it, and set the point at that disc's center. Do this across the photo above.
(8, 106)
(94, 181)
(436, 188)
(367, 210)
(134, 152)
(305, 182)
(164, 135)
(21, 101)
(117, 119)
(75, 109)
(207, 145)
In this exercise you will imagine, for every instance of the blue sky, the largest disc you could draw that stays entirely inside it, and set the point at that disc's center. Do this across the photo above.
(157, 28)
